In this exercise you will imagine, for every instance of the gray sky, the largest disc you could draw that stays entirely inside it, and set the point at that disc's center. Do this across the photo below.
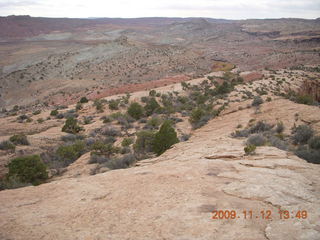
(228, 9)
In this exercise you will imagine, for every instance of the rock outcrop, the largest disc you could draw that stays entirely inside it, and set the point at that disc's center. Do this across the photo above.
(173, 196)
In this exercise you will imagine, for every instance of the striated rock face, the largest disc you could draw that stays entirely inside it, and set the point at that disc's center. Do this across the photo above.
(172, 196)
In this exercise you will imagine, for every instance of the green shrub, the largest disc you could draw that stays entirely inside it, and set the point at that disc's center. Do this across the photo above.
(257, 101)
(114, 104)
(37, 112)
(250, 149)
(154, 122)
(152, 93)
(302, 134)
(19, 139)
(84, 100)
(151, 107)
(127, 142)
(7, 145)
(196, 115)
(99, 106)
(28, 169)
(40, 120)
(101, 148)
(70, 153)
(71, 126)
(279, 127)
(54, 112)
(144, 142)
(314, 143)
(200, 117)
(135, 110)
(78, 106)
(12, 182)
(305, 99)
(164, 138)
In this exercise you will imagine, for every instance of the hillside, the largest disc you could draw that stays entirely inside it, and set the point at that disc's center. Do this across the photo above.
(58, 58)
(174, 195)
(159, 128)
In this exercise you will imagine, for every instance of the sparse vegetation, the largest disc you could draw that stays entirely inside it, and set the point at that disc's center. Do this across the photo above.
(250, 149)
(302, 134)
(19, 139)
(7, 145)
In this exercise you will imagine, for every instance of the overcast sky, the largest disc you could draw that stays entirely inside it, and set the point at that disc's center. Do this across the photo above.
(228, 9)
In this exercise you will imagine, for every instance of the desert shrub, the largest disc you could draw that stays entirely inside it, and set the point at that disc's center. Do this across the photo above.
(279, 127)
(78, 106)
(70, 114)
(196, 115)
(135, 110)
(28, 169)
(109, 131)
(96, 158)
(71, 137)
(54, 112)
(7, 145)
(151, 106)
(125, 150)
(15, 108)
(302, 134)
(22, 118)
(114, 104)
(40, 120)
(69, 153)
(257, 101)
(224, 88)
(71, 126)
(60, 115)
(249, 149)
(12, 182)
(278, 143)
(99, 105)
(83, 100)
(241, 133)
(101, 148)
(122, 162)
(19, 139)
(154, 122)
(311, 155)
(127, 142)
(269, 99)
(259, 127)
(257, 140)
(314, 143)
(305, 99)
(144, 142)
(152, 93)
(107, 119)
(185, 137)
(87, 119)
(37, 112)
(164, 138)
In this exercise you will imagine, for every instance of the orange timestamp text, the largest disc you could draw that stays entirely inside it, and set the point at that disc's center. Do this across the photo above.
(263, 214)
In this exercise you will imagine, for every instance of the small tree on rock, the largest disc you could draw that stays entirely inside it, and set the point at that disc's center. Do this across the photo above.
(165, 138)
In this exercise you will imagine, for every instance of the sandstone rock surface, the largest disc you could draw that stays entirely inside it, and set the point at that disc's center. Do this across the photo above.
(172, 196)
